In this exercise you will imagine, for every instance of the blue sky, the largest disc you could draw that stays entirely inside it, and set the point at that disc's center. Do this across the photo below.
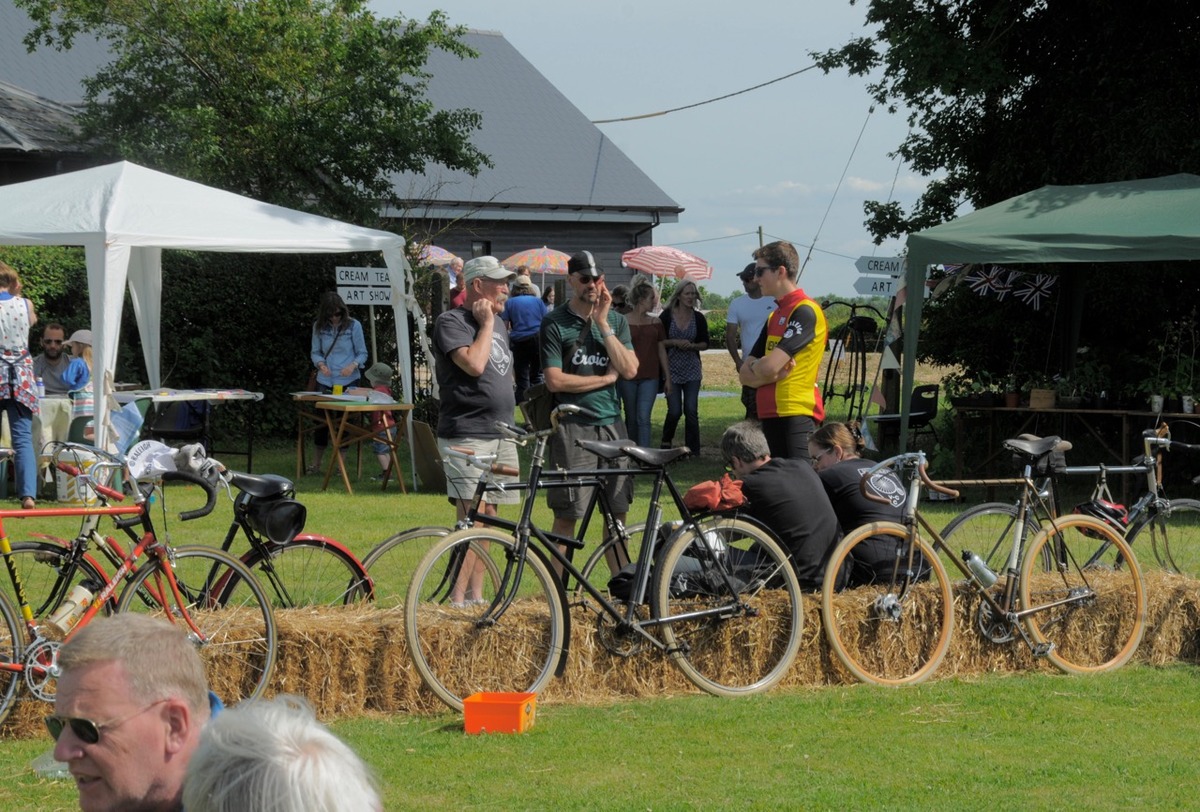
(771, 158)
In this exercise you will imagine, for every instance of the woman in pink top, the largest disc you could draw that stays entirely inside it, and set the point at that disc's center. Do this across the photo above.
(648, 333)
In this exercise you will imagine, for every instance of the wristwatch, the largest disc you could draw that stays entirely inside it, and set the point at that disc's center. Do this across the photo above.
(606, 333)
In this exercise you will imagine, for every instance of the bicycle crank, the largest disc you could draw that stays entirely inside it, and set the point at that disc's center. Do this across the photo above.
(992, 625)
(41, 669)
(619, 639)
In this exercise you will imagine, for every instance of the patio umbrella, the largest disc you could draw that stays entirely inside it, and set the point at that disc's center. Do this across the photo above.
(663, 260)
(432, 255)
(540, 260)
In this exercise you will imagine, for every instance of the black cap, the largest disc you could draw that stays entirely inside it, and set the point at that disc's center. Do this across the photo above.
(747, 272)
(584, 264)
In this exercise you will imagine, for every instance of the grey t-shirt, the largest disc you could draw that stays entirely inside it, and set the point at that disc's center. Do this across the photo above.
(51, 375)
(471, 406)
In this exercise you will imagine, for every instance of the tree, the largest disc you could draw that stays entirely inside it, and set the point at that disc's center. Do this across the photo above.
(310, 104)
(1010, 95)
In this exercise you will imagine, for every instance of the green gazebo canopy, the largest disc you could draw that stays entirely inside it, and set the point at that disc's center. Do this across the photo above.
(1156, 219)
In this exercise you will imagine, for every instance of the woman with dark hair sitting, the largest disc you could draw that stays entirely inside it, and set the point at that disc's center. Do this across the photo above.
(836, 451)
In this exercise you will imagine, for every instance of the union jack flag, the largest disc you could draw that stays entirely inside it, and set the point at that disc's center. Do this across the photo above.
(1035, 289)
(985, 279)
(1005, 279)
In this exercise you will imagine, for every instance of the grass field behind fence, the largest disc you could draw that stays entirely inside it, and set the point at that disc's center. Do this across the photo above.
(1031, 741)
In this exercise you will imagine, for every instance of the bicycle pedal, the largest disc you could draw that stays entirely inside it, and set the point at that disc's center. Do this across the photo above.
(1042, 649)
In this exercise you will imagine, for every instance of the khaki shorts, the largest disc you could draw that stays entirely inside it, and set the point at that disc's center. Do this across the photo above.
(571, 503)
(462, 478)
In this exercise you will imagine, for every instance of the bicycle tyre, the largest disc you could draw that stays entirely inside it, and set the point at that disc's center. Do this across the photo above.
(456, 649)
(48, 576)
(11, 636)
(1174, 537)
(391, 562)
(309, 571)
(1102, 617)
(987, 530)
(893, 631)
(229, 607)
(746, 578)
(622, 547)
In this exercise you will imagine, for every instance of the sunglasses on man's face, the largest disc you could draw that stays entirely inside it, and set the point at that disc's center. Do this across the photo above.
(86, 730)
(52, 340)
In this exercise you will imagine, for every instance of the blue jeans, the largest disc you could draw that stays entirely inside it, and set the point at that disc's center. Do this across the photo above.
(638, 396)
(683, 400)
(20, 425)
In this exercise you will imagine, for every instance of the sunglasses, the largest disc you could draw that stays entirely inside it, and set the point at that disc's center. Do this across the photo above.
(86, 730)
(52, 341)
(587, 280)
(759, 270)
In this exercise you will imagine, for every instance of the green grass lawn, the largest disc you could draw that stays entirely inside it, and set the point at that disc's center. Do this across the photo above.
(1035, 741)
(1019, 742)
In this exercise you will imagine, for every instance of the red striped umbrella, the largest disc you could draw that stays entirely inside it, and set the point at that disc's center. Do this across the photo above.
(539, 260)
(432, 255)
(663, 260)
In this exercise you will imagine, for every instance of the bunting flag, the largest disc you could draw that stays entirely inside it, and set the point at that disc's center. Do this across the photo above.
(1035, 289)
(995, 280)
(985, 279)
(1004, 282)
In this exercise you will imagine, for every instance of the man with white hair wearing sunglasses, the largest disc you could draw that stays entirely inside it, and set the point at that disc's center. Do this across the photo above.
(132, 700)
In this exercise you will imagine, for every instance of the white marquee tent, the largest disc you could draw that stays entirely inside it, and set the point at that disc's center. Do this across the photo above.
(124, 215)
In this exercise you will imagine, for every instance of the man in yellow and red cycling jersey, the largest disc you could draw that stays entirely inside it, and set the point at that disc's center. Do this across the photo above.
(785, 359)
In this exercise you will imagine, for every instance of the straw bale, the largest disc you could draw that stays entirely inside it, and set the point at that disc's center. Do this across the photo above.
(351, 661)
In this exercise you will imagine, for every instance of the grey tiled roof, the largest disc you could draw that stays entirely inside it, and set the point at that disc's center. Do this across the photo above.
(29, 123)
(545, 150)
(547, 154)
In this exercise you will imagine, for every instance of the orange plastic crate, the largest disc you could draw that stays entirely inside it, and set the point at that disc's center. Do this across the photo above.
(499, 712)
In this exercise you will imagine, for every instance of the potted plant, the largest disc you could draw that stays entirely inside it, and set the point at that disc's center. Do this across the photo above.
(1041, 391)
(970, 393)
(1092, 381)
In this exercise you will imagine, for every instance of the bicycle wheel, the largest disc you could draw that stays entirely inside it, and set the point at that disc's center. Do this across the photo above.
(987, 530)
(1089, 617)
(624, 549)
(309, 571)
(893, 628)
(459, 646)
(236, 631)
(741, 590)
(48, 576)
(10, 655)
(392, 561)
(1174, 536)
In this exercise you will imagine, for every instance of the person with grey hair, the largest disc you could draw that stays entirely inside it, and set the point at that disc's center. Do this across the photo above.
(131, 702)
(274, 756)
(787, 496)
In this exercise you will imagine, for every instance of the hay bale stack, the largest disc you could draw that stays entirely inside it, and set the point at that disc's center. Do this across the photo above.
(354, 660)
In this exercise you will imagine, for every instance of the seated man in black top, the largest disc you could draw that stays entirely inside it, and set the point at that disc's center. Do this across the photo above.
(786, 496)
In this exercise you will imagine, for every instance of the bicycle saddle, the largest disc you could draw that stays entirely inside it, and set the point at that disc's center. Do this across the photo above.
(605, 449)
(1033, 449)
(261, 485)
(657, 457)
(1063, 445)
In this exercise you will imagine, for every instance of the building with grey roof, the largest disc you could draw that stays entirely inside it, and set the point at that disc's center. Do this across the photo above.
(556, 179)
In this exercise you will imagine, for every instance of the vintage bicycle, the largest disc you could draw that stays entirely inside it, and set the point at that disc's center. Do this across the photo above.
(1084, 613)
(58, 588)
(296, 568)
(487, 609)
(1168, 527)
